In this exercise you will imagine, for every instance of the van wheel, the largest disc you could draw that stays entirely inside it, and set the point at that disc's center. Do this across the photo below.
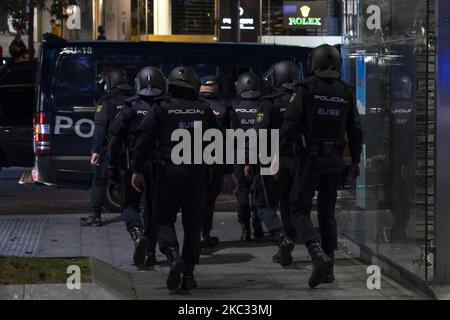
(112, 200)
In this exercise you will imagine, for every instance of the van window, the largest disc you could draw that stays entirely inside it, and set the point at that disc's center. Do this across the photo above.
(74, 81)
(75, 76)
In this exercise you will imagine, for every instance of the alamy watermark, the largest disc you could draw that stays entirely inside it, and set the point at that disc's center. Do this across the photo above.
(74, 279)
(236, 146)
(374, 280)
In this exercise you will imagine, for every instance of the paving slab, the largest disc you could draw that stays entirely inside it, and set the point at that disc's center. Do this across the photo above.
(234, 270)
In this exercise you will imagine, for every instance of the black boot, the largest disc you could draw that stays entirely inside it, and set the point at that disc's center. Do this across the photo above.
(321, 262)
(141, 244)
(208, 241)
(329, 272)
(150, 259)
(246, 232)
(177, 267)
(258, 231)
(285, 247)
(93, 220)
(188, 281)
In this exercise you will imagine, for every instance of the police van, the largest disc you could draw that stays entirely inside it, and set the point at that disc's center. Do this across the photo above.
(68, 89)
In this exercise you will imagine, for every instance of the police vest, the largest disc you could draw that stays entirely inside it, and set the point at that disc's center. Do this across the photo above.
(114, 101)
(245, 112)
(280, 102)
(220, 109)
(136, 110)
(326, 107)
(181, 114)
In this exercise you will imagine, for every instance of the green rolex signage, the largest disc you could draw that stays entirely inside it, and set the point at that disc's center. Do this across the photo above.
(304, 14)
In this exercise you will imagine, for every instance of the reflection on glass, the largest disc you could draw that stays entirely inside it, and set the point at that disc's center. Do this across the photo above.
(395, 218)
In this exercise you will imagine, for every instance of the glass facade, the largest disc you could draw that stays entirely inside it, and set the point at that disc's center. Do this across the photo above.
(390, 59)
(193, 17)
(273, 19)
(142, 12)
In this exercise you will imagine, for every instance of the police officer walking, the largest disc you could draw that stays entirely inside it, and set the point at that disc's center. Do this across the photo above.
(323, 116)
(209, 92)
(179, 186)
(249, 90)
(282, 77)
(149, 84)
(117, 88)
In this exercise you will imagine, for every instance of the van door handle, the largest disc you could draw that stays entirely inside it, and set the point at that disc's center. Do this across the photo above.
(83, 109)
(6, 129)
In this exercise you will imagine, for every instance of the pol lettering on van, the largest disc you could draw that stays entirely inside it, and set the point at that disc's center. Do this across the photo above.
(63, 123)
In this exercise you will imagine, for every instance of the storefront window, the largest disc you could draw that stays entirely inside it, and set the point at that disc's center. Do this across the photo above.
(286, 18)
(150, 14)
(134, 18)
(389, 58)
(86, 31)
(142, 17)
(193, 17)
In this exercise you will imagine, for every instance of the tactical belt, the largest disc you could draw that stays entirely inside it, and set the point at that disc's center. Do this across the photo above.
(325, 148)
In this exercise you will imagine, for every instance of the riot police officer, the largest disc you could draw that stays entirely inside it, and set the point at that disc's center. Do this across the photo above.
(249, 89)
(324, 117)
(117, 88)
(282, 77)
(149, 84)
(209, 92)
(179, 184)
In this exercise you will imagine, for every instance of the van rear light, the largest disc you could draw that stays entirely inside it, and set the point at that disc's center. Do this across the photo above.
(42, 134)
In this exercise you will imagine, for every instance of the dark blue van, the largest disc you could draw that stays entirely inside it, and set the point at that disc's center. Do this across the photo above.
(67, 91)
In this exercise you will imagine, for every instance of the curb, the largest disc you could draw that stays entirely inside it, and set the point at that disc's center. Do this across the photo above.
(112, 279)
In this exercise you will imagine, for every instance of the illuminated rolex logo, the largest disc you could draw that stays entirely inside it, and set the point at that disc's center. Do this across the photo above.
(305, 10)
(305, 20)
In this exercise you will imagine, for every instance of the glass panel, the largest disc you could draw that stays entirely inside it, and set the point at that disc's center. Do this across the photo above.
(86, 21)
(134, 18)
(150, 11)
(193, 17)
(142, 17)
(391, 205)
(273, 12)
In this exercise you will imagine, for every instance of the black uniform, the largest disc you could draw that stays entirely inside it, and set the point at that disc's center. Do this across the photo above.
(108, 107)
(270, 116)
(244, 117)
(177, 186)
(124, 133)
(222, 111)
(322, 116)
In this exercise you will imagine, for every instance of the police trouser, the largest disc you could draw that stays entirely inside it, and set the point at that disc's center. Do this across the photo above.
(99, 182)
(266, 197)
(130, 201)
(323, 174)
(288, 165)
(243, 194)
(150, 216)
(181, 187)
(215, 183)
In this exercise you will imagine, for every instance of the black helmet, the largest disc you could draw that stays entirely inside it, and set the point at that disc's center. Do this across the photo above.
(184, 77)
(150, 82)
(326, 62)
(115, 77)
(282, 74)
(249, 85)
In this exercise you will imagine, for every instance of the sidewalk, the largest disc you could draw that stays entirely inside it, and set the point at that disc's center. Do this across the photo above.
(234, 270)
